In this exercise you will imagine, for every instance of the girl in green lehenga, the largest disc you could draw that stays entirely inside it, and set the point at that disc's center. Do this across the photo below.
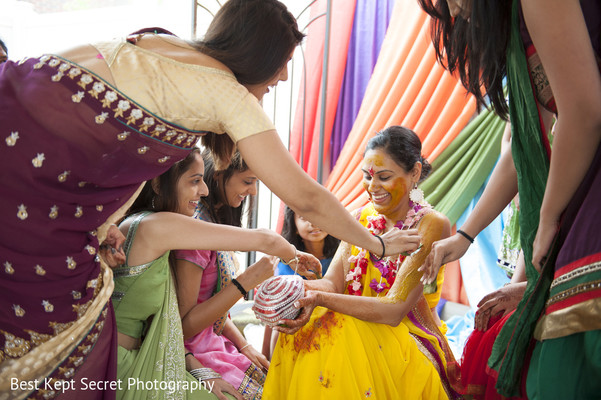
(151, 350)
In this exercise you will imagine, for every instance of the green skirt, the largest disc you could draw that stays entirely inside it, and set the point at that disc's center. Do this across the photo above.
(568, 367)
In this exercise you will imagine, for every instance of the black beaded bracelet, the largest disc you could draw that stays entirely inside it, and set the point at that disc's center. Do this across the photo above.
(465, 235)
(240, 287)
(188, 354)
(383, 247)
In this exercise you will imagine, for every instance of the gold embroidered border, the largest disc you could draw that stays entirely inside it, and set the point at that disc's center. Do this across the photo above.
(41, 361)
(119, 106)
(582, 288)
(578, 272)
(581, 317)
(130, 271)
(429, 356)
(251, 387)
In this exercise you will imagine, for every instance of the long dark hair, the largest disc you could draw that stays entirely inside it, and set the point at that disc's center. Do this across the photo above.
(216, 202)
(474, 48)
(403, 146)
(253, 38)
(165, 198)
(290, 233)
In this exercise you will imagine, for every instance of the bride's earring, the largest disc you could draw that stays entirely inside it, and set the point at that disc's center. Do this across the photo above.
(416, 195)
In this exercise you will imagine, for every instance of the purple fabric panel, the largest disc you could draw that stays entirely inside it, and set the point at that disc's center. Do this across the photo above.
(430, 347)
(71, 155)
(369, 27)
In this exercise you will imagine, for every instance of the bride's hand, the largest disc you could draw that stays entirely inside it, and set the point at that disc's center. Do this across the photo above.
(306, 304)
(399, 241)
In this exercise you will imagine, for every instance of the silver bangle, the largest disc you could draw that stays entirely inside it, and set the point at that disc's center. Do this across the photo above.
(293, 259)
(203, 374)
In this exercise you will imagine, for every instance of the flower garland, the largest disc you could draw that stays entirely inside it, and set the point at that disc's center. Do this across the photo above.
(388, 266)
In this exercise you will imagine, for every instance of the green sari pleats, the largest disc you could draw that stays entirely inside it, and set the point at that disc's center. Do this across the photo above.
(532, 165)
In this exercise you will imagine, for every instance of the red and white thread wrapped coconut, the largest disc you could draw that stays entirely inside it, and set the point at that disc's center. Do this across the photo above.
(274, 299)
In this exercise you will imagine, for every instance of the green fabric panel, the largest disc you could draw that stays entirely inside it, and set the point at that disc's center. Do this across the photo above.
(461, 169)
(561, 369)
(578, 280)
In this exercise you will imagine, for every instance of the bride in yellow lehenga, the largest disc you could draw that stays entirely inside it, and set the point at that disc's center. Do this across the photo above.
(367, 329)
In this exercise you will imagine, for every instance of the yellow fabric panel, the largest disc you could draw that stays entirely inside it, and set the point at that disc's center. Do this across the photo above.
(340, 357)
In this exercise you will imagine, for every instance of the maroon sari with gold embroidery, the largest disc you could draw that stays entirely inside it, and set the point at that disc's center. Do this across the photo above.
(62, 178)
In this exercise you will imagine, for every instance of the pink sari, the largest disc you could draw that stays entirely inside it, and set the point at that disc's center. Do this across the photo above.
(211, 348)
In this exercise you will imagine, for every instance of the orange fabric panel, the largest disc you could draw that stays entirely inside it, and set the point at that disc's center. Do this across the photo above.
(408, 87)
(383, 91)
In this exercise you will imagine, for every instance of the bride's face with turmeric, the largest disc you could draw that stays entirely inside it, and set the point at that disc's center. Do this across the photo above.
(386, 183)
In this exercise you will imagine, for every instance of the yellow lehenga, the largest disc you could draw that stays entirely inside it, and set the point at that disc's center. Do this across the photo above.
(336, 356)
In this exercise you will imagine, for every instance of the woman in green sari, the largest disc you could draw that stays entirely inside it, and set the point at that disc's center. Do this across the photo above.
(151, 350)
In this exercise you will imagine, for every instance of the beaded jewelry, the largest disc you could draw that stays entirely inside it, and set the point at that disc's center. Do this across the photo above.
(293, 259)
(240, 287)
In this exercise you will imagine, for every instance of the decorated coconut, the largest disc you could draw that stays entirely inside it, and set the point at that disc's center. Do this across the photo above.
(274, 299)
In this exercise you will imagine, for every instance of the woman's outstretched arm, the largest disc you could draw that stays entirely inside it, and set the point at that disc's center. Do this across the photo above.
(164, 231)
(501, 188)
(268, 158)
(401, 298)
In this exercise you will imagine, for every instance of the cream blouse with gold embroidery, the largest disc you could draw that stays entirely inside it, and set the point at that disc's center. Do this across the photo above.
(193, 96)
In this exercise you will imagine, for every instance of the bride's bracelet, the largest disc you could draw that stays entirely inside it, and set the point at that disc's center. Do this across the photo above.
(203, 374)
